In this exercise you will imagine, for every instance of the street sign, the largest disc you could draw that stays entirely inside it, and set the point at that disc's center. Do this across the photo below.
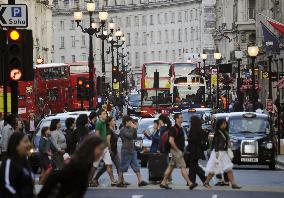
(13, 15)
(269, 105)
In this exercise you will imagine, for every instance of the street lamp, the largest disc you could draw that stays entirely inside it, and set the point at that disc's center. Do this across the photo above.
(253, 52)
(204, 57)
(93, 29)
(239, 56)
(217, 57)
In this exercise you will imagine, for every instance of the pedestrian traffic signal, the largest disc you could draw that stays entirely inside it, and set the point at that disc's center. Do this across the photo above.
(20, 54)
(81, 88)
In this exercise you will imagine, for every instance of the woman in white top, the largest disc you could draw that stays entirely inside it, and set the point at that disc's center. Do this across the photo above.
(59, 142)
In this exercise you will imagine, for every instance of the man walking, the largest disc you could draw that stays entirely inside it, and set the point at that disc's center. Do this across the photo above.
(128, 152)
(176, 145)
(101, 131)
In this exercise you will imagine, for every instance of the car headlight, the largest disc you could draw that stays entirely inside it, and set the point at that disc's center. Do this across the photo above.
(269, 145)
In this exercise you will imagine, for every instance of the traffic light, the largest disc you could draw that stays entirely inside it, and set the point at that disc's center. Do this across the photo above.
(87, 89)
(99, 86)
(156, 80)
(81, 90)
(20, 55)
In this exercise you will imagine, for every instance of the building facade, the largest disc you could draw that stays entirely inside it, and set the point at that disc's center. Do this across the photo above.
(155, 30)
(40, 22)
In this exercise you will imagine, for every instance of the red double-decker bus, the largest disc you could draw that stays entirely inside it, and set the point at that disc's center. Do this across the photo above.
(156, 100)
(79, 69)
(50, 92)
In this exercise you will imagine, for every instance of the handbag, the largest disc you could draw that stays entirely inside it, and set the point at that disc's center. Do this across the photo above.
(138, 144)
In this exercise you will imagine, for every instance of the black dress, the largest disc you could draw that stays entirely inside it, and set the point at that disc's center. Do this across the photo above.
(195, 138)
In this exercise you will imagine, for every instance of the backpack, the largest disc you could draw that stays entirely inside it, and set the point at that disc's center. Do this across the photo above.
(166, 140)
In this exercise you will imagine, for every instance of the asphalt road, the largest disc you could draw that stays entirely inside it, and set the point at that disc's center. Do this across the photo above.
(179, 193)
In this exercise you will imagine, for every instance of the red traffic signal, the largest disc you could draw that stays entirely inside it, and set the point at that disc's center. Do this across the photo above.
(15, 74)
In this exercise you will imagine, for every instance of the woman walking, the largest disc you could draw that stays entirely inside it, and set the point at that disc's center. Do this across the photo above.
(196, 139)
(59, 141)
(219, 160)
(71, 137)
(46, 150)
(16, 176)
(72, 180)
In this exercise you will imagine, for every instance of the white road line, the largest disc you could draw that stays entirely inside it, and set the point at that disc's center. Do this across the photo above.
(137, 196)
(214, 196)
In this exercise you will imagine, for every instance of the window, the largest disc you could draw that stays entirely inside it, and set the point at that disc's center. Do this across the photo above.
(151, 20)
(167, 55)
(72, 25)
(186, 16)
(191, 14)
(159, 19)
(191, 33)
(73, 41)
(179, 52)
(73, 58)
(173, 55)
(128, 39)
(185, 35)
(144, 56)
(159, 36)
(83, 41)
(62, 42)
(152, 37)
(144, 20)
(152, 55)
(137, 59)
(144, 41)
(173, 35)
(179, 17)
(84, 57)
(166, 36)
(251, 9)
(62, 59)
(166, 18)
(173, 17)
(196, 16)
(136, 38)
(196, 30)
(136, 21)
(179, 35)
(128, 21)
(62, 25)
(160, 55)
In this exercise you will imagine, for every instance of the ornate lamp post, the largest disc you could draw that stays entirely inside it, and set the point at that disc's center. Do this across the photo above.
(217, 57)
(203, 56)
(239, 56)
(253, 52)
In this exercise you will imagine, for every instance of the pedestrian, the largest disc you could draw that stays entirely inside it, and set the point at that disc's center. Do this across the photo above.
(71, 137)
(16, 176)
(92, 121)
(165, 125)
(196, 145)
(128, 134)
(59, 141)
(154, 137)
(101, 131)
(82, 129)
(219, 160)
(112, 139)
(31, 125)
(20, 126)
(46, 150)
(72, 180)
(176, 144)
(7, 131)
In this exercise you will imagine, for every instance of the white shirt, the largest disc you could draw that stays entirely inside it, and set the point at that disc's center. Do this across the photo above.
(32, 125)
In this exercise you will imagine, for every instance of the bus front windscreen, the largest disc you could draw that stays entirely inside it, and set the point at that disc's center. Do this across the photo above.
(149, 97)
(184, 69)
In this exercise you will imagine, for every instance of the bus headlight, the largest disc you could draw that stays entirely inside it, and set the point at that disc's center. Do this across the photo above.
(269, 145)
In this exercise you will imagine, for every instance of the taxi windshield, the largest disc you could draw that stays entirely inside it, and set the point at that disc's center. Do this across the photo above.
(248, 125)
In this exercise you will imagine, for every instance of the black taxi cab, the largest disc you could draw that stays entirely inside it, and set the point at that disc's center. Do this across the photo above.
(252, 139)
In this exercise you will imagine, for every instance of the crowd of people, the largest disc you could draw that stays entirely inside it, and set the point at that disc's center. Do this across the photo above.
(87, 148)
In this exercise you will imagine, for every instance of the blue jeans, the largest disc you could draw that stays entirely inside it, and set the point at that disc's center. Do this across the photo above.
(129, 159)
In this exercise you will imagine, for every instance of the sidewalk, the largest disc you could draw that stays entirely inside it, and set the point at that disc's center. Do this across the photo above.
(280, 160)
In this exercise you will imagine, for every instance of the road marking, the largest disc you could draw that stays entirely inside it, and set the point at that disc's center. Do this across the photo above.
(214, 196)
(137, 196)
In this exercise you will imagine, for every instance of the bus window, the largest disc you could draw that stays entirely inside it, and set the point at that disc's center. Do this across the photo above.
(52, 94)
(53, 73)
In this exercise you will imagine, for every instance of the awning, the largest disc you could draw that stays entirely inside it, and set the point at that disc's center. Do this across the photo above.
(280, 83)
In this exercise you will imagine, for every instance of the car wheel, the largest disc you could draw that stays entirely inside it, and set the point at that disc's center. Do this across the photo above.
(272, 166)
